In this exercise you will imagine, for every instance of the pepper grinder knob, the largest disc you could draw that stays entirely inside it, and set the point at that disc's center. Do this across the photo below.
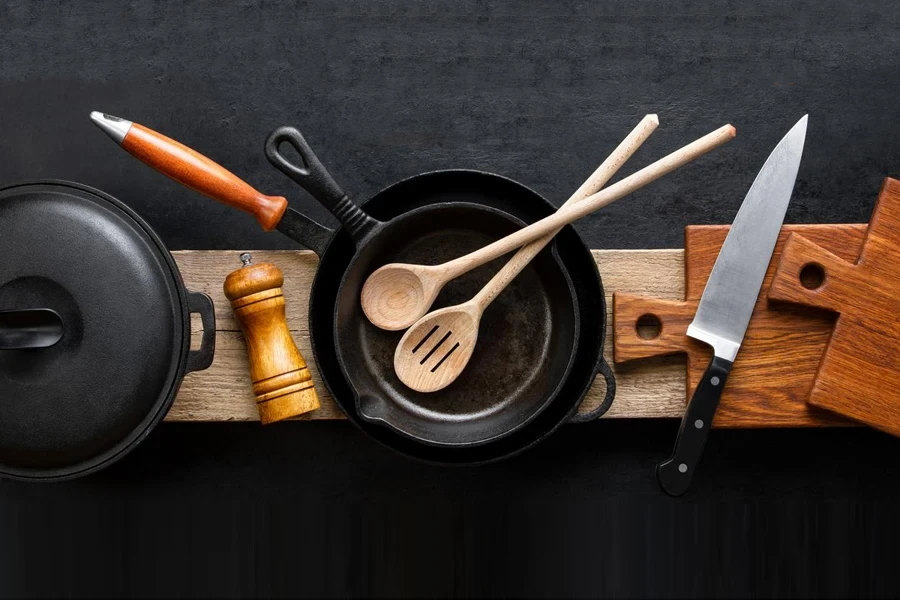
(281, 380)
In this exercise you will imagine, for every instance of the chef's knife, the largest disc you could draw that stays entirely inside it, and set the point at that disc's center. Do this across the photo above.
(729, 297)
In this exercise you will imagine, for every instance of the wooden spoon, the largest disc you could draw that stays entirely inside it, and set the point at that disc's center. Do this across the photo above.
(397, 295)
(431, 375)
(437, 348)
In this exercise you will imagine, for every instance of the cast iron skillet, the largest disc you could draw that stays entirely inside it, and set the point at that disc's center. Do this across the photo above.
(531, 342)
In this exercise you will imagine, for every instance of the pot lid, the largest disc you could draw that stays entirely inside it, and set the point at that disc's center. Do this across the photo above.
(80, 254)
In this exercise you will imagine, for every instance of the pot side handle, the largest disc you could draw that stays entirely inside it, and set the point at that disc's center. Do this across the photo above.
(315, 179)
(202, 358)
(604, 370)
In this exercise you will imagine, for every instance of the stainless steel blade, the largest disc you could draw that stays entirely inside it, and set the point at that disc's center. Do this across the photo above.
(734, 284)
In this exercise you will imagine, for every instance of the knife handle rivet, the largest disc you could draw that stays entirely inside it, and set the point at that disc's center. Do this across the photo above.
(682, 468)
(698, 423)
(714, 380)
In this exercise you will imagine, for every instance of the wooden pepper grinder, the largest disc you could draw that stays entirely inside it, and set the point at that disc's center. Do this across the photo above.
(281, 379)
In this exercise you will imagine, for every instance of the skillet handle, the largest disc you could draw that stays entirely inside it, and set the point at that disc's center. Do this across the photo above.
(603, 369)
(305, 231)
(315, 179)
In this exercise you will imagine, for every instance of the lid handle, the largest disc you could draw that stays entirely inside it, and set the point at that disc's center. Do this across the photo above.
(29, 328)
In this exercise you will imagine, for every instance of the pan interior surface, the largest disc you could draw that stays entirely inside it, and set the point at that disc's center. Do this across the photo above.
(526, 340)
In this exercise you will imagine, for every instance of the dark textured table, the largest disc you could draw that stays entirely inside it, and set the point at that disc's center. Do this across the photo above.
(540, 92)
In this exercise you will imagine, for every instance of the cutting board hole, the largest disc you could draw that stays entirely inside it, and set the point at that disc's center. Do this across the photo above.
(812, 276)
(648, 327)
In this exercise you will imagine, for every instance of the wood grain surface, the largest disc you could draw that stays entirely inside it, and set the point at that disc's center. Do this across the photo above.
(776, 366)
(224, 391)
(858, 375)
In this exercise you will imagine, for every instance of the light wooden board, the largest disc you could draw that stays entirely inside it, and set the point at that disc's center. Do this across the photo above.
(223, 392)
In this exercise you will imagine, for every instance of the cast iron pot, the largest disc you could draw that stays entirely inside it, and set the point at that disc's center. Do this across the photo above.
(77, 403)
(556, 306)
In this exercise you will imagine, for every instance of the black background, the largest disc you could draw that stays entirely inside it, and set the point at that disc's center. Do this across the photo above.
(539, 92)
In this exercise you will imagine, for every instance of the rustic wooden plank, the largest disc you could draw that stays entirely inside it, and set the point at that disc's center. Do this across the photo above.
(223, 392)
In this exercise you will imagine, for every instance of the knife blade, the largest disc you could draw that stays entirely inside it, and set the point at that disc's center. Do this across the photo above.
(728, 299)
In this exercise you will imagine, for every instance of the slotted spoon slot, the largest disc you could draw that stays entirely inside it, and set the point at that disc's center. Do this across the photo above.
(425, 339)
(438, 345)
(446, 356)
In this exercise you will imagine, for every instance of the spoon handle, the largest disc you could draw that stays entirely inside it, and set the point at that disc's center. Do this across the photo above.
(590, 204)
(592, 185)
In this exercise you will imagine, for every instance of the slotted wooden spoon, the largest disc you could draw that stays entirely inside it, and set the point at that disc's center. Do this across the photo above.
(437, 348)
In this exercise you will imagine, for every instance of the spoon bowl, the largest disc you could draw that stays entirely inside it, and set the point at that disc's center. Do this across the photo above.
(397, 295)
(432, 353)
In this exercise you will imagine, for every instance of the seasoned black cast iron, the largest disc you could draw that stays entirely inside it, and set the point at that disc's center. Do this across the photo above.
(541, 342)
(94, 330)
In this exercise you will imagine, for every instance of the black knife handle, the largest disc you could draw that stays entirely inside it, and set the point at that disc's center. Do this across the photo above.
(674, 474)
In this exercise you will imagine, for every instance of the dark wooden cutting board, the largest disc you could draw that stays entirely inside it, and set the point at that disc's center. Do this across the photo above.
(859, 374)
(777, 363)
